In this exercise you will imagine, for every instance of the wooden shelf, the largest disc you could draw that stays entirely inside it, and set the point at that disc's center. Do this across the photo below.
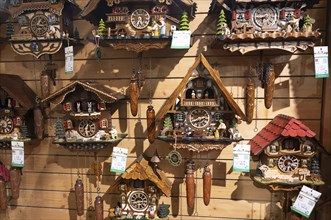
(199, 143)
(89, 145)
(6, 143)
(135, 44)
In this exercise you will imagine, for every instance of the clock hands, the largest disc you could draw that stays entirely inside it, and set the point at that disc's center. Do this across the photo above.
(199, 119)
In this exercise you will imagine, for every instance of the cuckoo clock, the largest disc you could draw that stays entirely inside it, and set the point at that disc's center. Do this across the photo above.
(200, 114)
(87, 124)
(288, 154)
(246, 26)
(137, 25)
(40, 26)
(141, 186)
(17, 101)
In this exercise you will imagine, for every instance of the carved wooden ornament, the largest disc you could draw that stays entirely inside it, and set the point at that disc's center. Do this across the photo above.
(207, 177)
(151, 129)
(250, 101)
(190, 185)
(79, 195)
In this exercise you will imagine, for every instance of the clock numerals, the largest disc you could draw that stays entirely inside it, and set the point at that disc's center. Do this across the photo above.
(264, 17)
(288, 163)
(138, 200)
(199, 118)
(6, 125)
(140, 19)
(39, 25)
(87, 128)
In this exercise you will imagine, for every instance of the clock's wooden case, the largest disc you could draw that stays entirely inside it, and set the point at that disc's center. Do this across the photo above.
(17, 101)
(288, 154)
(123, 30)
(144, 182)
(41, 25)
(200, 114)
(87, 121)
(264, 24)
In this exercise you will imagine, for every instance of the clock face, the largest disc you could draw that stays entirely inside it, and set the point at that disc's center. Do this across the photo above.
(39, 25)
(264, 17)
(140, 18)
(6, 125)
(288, 163)
(199, 118)
(87, 128)
(138, 201)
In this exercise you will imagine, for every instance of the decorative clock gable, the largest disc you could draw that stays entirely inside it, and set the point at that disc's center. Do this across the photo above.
(41, 26)
(87, 119)
(246, 26)
(288, 154)
(200, 111)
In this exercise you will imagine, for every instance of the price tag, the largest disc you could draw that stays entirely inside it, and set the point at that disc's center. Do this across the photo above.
(181, 40)
(321, 62)
(305, 202)
(69, 60)
(118, 163)
(241, 157)
(17, 153)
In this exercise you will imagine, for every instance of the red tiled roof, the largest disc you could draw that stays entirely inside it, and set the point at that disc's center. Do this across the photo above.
(281, 125)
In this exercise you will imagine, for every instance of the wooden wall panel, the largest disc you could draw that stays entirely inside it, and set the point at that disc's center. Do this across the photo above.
(50, 171)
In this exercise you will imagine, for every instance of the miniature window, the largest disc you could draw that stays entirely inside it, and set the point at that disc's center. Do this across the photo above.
(291, 144)
(104, 123)
(208, 93)
(91, 106)
(190, 94)
(138, 184)
(78, 106)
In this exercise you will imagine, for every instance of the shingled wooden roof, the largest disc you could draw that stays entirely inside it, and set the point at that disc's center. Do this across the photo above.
(228, 97)
(35, 6)
(102, 91)
(18, 90)
(141, 170)
(281, 125)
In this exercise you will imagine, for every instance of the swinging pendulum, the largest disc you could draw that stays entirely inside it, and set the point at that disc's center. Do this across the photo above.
(174, 157)
(79, 192)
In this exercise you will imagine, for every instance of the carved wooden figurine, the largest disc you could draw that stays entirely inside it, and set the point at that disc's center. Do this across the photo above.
(206, 185)
(190, 185)
(151, 129)
(79, 195)
(98, 206)
(250, 100)
(15, 181)
(134, 93)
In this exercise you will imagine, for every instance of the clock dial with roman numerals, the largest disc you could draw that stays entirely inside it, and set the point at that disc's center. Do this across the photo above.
(6, 125)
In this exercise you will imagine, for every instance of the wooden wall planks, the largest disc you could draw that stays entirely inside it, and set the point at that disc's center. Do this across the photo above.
(50, 171)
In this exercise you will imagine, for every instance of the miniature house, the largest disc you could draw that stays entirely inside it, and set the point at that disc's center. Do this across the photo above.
(200, 111)
(41, 26)
(246, 26)
(141, 186)
(288, 154)
(87, 122)
(137, 25)
(16, 103)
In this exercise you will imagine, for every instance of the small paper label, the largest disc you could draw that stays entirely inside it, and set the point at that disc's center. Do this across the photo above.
(321, 59)
(241, 157)
(69, 60)
(305, 202)
(181, 40)
(118, 163)
(17, 153)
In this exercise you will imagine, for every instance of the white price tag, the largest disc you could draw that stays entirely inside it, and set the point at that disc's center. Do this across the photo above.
(118, 162)
(17, 153)
(181, 40)
(305, 202)
(321, 59)
(241, 157)
(69, 60)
